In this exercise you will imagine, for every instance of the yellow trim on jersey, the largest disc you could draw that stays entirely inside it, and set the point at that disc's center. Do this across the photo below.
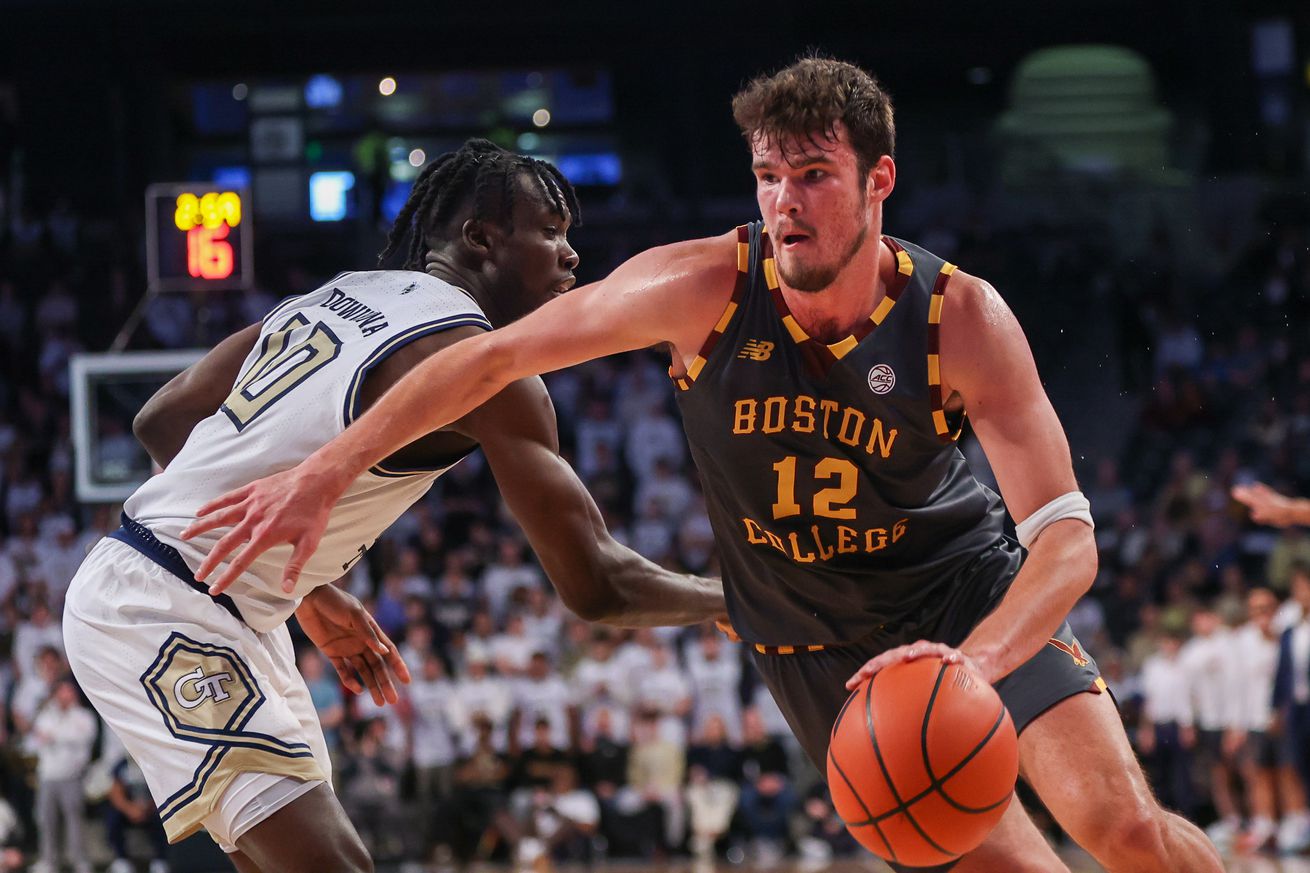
(934, 370)
(743, 257)
(771, 274)
(935, 308)
(794, 328)
(843, 348)
(726, 318)
(697, 365)
(884, 306)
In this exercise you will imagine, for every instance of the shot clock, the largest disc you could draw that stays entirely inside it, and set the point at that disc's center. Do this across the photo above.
(197, 236)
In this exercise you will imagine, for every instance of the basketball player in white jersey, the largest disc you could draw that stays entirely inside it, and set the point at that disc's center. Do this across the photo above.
(203, 690)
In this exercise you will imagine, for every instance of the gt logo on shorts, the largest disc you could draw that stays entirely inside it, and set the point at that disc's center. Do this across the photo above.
(205, 687)
(756, 350)
(204, 691)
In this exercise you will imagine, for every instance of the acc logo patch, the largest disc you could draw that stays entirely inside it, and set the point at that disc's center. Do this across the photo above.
(205, 692)
(882, 379)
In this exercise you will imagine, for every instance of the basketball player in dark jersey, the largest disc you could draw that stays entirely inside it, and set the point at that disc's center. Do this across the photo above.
(823, 371)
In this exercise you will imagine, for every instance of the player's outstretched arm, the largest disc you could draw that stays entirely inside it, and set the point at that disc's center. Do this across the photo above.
(168, 418)
(596, 577)
(1269, 507)
(673, 294)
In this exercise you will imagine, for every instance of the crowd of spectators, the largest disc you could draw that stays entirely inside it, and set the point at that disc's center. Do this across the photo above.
(528, 734)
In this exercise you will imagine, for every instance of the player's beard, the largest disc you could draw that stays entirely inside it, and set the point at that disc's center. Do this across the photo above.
(813, 278)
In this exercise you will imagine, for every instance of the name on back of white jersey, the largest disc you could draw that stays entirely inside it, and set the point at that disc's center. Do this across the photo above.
(349, 309)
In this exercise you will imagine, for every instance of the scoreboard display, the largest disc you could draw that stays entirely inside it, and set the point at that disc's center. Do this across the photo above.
(198, 236)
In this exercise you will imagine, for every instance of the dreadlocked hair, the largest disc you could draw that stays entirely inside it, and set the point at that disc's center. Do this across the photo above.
(479, 172)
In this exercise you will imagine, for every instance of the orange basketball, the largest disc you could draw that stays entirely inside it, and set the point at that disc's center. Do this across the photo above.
(922, 762)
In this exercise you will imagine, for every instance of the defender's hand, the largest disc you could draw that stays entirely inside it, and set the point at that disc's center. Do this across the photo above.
(912, 652)
(287, 507)
(363, 655)
(1267, 505)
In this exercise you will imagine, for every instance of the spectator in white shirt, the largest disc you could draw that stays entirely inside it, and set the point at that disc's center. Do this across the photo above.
(1255, 660)
(543, 619)
(512, 650)
(599, 427)
(37, 632)
(1291, 702)
(541, 695)
(600, 674)
(1166, 734)
(509, 571)
(481, 632)
(57, 558)
(478, 695)
(62, 738)
(667, 486)
(695, 538)
(433, 743)
(652, 436)
(652, 535)
(664, 689)
(715, 682)
(420, 641)
(35, 687)
(634, 653)
(409, 567)
(1207, 662)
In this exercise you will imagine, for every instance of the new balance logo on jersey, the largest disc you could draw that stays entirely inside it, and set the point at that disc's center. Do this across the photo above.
(756, 350)
(196, 687)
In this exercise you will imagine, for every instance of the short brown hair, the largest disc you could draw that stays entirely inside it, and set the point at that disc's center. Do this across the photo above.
(808, 98)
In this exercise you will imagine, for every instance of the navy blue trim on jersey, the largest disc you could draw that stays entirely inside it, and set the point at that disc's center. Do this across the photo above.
(353, 401)
(141, 538)
(283, 305)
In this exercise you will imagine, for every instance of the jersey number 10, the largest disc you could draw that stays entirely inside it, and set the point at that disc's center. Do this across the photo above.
(281, 366)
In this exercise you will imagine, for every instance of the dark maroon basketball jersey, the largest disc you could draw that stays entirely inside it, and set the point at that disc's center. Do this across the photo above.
(838, 497)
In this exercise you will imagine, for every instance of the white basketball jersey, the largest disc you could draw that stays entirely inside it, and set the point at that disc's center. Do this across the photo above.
(300, 387)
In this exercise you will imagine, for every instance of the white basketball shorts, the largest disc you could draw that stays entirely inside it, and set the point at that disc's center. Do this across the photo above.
(196, 696)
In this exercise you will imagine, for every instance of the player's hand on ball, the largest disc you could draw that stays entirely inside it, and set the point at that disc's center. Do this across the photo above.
(361, 652)
(912, 652)
(287, 507)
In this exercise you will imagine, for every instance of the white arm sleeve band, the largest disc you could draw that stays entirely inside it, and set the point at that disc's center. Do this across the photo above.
(1071, 505)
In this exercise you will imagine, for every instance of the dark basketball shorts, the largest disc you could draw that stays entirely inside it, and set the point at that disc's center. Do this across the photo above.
(1262, 749)
(810, 686)
(1210, 746)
